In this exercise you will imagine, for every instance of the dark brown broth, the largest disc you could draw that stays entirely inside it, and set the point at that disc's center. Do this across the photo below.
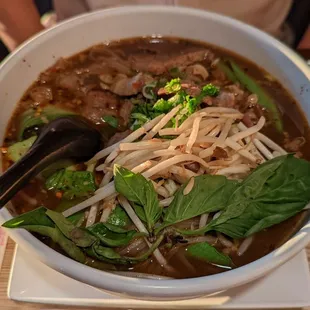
(265, 241)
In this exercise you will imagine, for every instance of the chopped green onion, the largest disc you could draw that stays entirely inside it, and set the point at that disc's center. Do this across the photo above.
(111, 120)
(148, 91)
(173, 86)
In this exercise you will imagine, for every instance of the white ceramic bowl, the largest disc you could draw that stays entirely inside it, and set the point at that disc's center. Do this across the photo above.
(24, 65)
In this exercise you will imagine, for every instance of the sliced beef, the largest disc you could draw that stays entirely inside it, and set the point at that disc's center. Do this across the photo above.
(219, 153)
(41, 94)
(69, 81)
(159, 64)
(100, 103)
(293, 144)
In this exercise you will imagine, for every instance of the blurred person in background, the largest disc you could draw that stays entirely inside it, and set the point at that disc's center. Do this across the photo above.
(287, 20)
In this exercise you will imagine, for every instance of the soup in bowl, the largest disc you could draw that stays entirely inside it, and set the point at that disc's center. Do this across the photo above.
(204, 160)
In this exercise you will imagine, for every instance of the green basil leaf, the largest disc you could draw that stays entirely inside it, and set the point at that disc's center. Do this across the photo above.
(80, 237)
(209, 194)
(272, 193)
(55, 234)
(138, 190)
(111, 120)
(77, 219)
(74, 184)
(111, 235)
(119, 217)
(140, 212)
(108, 255)
(17, 150)
(209, 253)
(35, 217)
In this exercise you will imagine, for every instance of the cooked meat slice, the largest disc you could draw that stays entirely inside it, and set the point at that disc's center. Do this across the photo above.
(100, 103)
(295, 144)
(219, 153)
(159, 64)
(41, 94)
(69, 81)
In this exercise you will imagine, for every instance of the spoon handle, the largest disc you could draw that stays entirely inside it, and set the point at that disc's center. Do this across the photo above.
(18, 175)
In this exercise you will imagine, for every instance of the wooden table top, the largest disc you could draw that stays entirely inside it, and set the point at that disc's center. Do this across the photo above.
(7, 304)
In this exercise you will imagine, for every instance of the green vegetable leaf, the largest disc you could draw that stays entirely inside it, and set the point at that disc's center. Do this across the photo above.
(35, 217)
(138, 190)
(209, 90)
(55, 234)
(140, 117)
(206, 252)
(272, 193)
(108, 255)
(72, 183)
(19, 149)
(173, 86)
(209, 194)
(111, 120)
(264, 98)
(119, 217)
(228, 72)
(140, 212)
(32, 117)
(80, 237)
(77, 219)
(38, 222)
(113, 236)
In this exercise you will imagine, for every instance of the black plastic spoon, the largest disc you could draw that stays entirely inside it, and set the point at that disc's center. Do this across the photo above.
(64, 138)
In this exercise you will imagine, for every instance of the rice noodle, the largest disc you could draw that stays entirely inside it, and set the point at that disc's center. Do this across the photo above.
(131, 213)
(162, 123)
(131, 137)
(189, 187)
(106, 178)
(182, 171)
(161, 190)
(203, 220)
(105, 192)
(170, 186)
(244, 245)
(172, 161)
(225, 242)
(108, 207)
(183, 141)
(242, 168)
(216, 215)
(166, 202)
(237, 147)
(92, 215)
(193, 135)
(249, 131)
(272, 145)
(261, 147)
(142, 145)
(210, 239)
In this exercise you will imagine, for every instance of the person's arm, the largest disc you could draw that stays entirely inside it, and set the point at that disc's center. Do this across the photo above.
(19, 20)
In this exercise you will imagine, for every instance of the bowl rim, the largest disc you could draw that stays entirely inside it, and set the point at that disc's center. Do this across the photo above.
(146, 287)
